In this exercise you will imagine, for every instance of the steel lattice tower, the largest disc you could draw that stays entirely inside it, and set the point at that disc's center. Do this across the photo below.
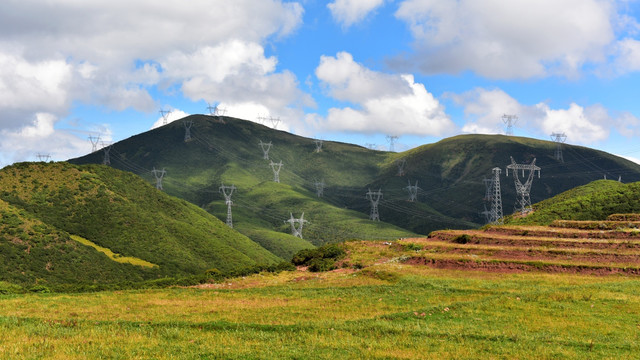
(43, 157)
(296, 230)
(401, 163)
(227, 191)
(106, 160)
(276, 170)
(524, 199)
(374, 198)
(265, 149)
(487, 215)
(559, 139)
(318, 143)
(392, 140)
(488, 183)
(94, 142)
(187, 129)
(158, 174)
(165, 116)
(510, 121)
(320, 187)
(495, 216)
(413, 191)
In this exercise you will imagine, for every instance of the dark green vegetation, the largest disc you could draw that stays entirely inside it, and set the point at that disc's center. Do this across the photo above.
(594, 201)
(51, 211)
(319, 259)
(450, 174)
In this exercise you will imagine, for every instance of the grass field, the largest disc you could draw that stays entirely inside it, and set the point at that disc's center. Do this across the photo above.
(389, 310)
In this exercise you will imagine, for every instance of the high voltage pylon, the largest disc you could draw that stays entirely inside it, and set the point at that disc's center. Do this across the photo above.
(523, 190)
(94, 142)
(106, 148)
(187, 129)
(43, 157)
(296, 230)
(165, 116)
(413, 191)
(318, 143)
(227, 191)
(212, 109)
(265, 149)
(374, 197)
(159, 174)
(487, 215)
(559, 139)
(488, 189)
(320, 187)
(274, 121)
(495, 216)
(276, 170)
(510, 121)
(371, 146)
(392, 140)
(401, 163)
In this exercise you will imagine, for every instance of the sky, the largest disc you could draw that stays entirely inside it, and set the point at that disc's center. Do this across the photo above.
(356, 71)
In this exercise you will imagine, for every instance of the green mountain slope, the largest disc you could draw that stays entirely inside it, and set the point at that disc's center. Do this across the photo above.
(594, 201)
(228, 152)
(121, 212)
(449, 174)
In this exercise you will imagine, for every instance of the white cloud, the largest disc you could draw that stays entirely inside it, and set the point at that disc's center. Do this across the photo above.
(509, 39)
(384, 103)
(349, 12)
(109, 53)
(627, 56)
(583, 125)
(40, 137)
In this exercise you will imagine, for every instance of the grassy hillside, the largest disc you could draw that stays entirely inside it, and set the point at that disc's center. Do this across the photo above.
(449, 173)
(594, 201)
(117, 211)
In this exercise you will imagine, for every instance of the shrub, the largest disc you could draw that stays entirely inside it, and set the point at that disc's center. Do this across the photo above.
(320, 259)
(462, 239)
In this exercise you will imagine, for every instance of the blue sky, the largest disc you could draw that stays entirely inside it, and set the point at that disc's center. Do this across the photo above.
(345, 70)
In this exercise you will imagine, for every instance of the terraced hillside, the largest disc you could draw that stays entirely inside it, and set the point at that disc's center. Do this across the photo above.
(584, 247)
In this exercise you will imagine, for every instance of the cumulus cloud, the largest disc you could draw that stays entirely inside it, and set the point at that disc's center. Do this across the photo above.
(508, 39)
(584, 125)
(382, 103)
(110, 53)
(349, 12)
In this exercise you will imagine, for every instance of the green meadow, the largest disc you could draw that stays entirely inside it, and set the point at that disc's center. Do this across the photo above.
(384, 311)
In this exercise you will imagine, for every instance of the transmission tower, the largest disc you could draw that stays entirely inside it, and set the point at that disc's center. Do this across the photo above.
(187, 129)
(261, 119)
(495, 216)
(318, 143)
(413, 191)
(43, 157)
(227, 191)
(265, 149)
(392, 140)
(276, 170)
(523, 190)
(487, 215)
(510, 121)
(374, 197)
(559, 139)
(488, 183)
(165, 116)
(274, 121)
(94, 142)
(212, 109)
(401, 163)
(296, 230)
(319, 187)
(159, 174)
(106, 148)
(371, 146)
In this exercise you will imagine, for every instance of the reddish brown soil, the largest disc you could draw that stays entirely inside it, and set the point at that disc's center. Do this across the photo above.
(516, 267)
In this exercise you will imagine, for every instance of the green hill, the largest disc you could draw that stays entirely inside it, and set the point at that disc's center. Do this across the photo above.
(594, 201)
(85, 224)
(449, 173)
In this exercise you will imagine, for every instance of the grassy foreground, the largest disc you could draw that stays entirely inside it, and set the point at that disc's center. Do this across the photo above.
(388, 310)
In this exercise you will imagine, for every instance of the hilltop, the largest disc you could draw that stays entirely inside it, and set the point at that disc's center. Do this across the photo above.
(65, 223)
(449, 174)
